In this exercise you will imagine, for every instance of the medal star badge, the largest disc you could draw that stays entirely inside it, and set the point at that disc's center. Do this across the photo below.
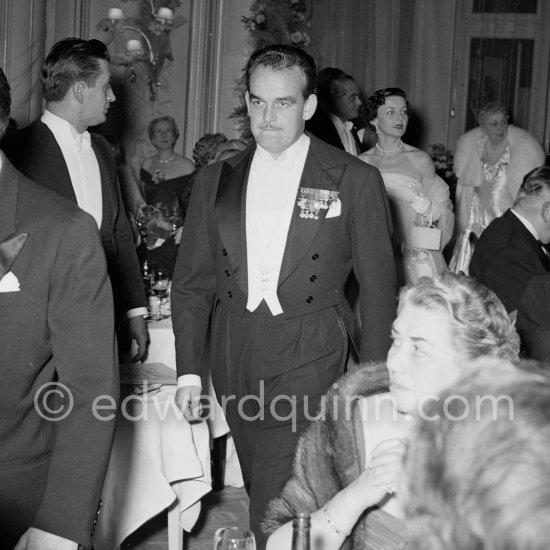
(312, 201)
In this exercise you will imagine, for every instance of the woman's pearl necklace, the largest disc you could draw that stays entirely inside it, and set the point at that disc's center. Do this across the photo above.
(390, 150)
(167, 160)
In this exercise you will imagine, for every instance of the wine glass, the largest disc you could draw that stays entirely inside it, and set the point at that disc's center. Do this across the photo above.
(160, 281)
(146, 274)
(234, 538)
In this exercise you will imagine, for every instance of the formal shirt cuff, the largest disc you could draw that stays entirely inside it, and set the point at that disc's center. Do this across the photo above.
(135, 312)
(189, 380)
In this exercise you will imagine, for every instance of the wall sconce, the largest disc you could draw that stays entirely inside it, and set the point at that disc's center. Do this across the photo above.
(147, 47)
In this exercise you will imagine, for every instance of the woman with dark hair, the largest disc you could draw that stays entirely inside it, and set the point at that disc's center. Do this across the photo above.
(206, 149)
(347, 467)
(419, 199)
(490, 162)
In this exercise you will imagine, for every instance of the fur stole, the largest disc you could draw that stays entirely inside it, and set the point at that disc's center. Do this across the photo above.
(525, 154)
(327, 457)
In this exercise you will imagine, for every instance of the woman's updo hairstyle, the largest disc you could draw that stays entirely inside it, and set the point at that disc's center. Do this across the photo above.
(378, 99)
(479, 322)
(167, 118)
(492, 108)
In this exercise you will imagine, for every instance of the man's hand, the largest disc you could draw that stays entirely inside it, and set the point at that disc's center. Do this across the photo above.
(137, 329)
(36, 539)
(188, 400)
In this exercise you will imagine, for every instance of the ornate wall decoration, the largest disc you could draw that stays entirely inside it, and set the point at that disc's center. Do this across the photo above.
(273, 22)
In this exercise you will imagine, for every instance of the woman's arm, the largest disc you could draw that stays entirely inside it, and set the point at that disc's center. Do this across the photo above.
(334, 521)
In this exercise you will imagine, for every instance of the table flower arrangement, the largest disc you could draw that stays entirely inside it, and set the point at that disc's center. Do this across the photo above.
(273, 22)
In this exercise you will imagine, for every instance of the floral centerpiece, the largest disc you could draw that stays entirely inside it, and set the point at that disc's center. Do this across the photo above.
(273, 22)
(443, 161)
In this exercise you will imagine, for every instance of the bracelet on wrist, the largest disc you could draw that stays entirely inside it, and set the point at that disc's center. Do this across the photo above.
(331, 524)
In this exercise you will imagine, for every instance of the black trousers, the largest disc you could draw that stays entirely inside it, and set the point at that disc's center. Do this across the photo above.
(270, 374)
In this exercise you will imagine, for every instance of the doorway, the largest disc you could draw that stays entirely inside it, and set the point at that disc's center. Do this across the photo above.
(502, 54)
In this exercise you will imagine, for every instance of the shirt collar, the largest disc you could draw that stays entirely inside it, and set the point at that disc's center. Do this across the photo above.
(61, 126)
(337, 121)
(528, 225)
(287, 159)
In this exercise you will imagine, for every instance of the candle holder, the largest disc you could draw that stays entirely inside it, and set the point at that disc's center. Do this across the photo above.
(147, 47)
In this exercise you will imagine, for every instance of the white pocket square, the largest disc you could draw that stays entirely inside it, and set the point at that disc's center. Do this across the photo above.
(9, 283)
(335, 209)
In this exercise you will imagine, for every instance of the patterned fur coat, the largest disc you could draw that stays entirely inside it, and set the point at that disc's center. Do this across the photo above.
(328, 458)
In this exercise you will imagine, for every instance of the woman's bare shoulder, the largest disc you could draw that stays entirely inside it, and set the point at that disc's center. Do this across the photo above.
(421, 161)
(185, 165)
(370, 157)
(147, 163)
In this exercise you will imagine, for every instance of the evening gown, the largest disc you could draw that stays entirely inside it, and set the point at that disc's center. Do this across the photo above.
(413, 262)
(489, 201)
(170, 193)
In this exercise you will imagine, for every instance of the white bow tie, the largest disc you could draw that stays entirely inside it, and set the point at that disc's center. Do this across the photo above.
(348, 125)
(266, 163)
(83, 140)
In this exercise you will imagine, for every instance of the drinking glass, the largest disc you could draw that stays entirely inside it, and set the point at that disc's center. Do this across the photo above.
(160, 281)
(234, 538)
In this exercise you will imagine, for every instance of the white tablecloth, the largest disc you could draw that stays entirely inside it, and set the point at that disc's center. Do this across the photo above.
(159, 461)
(162, 350)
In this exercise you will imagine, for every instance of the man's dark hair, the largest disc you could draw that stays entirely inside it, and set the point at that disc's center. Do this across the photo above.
(279, 57)
(71, 60)
(5, 102)
(326, 85)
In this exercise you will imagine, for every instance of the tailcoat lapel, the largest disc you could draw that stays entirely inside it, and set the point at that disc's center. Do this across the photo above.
(319, 173)
(231, 214)
(108, 190)
(45, 145)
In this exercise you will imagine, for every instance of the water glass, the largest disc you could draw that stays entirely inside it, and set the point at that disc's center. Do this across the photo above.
(234, 538)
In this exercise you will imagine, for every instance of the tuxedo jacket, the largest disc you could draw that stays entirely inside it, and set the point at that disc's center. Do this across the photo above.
(506, 258)
(56, 323)
(35, 152)
(321, 126)
(318, 257)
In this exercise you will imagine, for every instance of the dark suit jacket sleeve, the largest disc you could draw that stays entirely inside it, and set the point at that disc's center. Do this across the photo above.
(508, 272)
(122, 259)
(194, 283)
(374, 267)
(81, 328)
(533, 319)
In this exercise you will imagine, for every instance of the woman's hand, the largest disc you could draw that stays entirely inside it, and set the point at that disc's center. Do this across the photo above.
(421, 205)
(383, 472)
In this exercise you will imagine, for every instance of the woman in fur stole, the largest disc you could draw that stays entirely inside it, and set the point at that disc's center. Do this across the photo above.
(490, 162)
(348, 464)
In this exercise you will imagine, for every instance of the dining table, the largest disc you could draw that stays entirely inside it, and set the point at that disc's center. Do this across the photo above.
(159, 460)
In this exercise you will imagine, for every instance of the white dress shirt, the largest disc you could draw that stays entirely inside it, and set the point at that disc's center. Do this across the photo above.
(344, 131)
(81, 163)
(270, 199)
(83, 171)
